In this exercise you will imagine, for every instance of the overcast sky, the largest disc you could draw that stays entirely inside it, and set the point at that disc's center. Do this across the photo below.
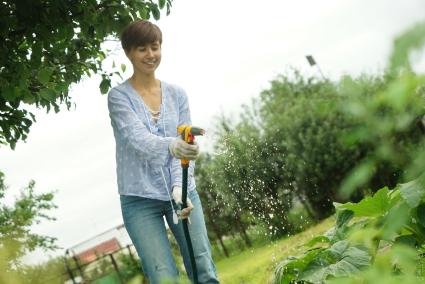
(223, 53)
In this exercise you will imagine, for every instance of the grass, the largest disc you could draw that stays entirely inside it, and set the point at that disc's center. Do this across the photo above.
(256, 265)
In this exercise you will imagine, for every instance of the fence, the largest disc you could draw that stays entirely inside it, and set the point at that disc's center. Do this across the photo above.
(119, 266)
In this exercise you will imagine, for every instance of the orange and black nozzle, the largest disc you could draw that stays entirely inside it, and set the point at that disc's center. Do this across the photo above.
(188, 134)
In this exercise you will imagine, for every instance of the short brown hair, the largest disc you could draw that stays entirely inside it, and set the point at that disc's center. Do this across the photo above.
(139, 33)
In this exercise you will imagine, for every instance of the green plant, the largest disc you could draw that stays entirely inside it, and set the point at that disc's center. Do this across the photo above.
(130, 267)
(381, 238)
(49, 45)
(16, 237)
(364, 232)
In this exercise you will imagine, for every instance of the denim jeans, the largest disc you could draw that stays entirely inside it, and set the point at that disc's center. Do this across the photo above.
(143, 219)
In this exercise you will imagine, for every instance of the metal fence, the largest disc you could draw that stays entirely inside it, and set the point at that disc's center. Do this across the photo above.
(118, 267)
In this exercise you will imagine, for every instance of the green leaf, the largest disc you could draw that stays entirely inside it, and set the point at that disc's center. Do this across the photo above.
(44, 75)
(144, 13)
(289, 269)
(47, 94)
(396, 218)
(341, 259)
(358, 177)
(318, 239)
(105, 85)
(343, 217)
(408, 240)
(412, 192)
(420, 213)
(340, 230)
(101, 56)
(413, 39)
(8, 93)
(123, 67)
(155, 12)
(161, 3)
(28, 97)
(374, 206)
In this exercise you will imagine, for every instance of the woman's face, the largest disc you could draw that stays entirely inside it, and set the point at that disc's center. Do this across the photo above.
(146, 58)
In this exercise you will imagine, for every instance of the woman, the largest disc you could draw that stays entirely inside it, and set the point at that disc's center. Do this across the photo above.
(145, 113)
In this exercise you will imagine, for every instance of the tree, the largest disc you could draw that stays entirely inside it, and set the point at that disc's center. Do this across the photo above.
(214, 206)
(48, 45)
(248, 171)
(16, 239)
(52, 271)
(301, 120)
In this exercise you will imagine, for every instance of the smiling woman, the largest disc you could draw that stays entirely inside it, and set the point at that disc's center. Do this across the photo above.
(145, 113)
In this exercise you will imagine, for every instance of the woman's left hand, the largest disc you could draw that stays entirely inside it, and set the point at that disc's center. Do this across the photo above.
(177, 196)
(186, 212)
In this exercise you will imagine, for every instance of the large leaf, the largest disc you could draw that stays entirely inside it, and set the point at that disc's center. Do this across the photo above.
(339, 232)
(289, 269)
(396, 219)
(343, 217)
(412, 192)
(374, 206)
(44, 75)
(48, 94)
(341, 259)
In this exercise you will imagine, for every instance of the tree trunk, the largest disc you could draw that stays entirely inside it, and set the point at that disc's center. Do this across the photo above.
(306, 205)
(226, 253)
(217, 232)
(244, 235)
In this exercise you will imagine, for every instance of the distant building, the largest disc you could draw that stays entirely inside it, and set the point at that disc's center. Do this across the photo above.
(104, 243)
(93, 253)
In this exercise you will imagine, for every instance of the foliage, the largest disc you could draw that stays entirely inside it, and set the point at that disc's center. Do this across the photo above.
(381, 227)
(131, 267)
(293, 144)
(50, 272)
(219, 216)
(255, 265)
(301, 121)
(384, 121)
(205, 184)
(16, 238)
(297, 143)
(388, 226)
(304, 139)
(308, 122)
(247, 172)
(101, 268)
(49, 45)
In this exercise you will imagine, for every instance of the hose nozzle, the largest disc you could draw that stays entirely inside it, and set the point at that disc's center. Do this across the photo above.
(188, 134)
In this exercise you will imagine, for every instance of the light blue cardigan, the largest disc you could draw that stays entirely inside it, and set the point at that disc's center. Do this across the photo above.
(142, 144)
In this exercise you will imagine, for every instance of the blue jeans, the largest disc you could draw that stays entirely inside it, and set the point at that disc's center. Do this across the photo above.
(143, 219)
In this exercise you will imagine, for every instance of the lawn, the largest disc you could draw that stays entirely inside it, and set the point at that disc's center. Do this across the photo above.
(256, 265)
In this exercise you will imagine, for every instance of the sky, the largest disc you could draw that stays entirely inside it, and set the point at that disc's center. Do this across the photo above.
(223, 53)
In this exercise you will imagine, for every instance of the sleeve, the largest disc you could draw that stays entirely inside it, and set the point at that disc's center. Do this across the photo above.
(134, 132)
(184, 119)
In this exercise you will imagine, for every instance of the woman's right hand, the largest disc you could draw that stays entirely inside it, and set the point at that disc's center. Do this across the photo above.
(182, 150)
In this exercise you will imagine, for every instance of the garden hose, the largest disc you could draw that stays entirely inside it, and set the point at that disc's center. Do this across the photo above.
(188, 134)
